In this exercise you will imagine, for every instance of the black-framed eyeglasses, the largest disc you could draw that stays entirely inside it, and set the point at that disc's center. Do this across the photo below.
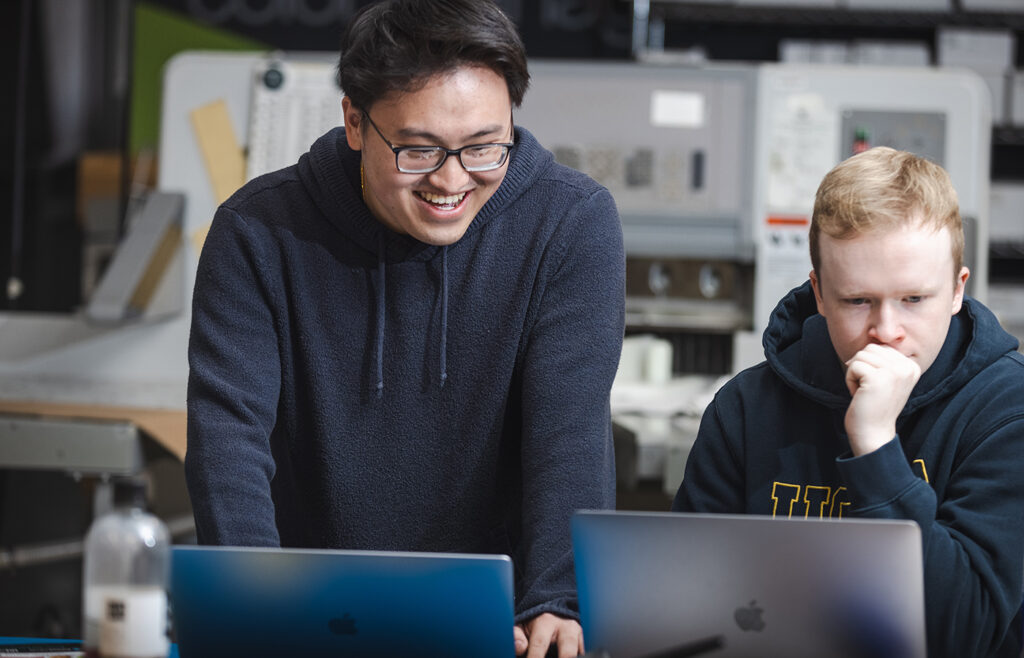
(425, 159)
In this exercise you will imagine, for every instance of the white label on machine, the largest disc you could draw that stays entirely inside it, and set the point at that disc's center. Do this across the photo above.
(677, 109)
(293, 103)
(803, 147)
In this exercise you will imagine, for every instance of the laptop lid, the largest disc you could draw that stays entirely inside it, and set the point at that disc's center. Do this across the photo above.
(230, 601)
(728, 586)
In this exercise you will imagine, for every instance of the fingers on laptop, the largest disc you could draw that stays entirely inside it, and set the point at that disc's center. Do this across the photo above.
(550, 635)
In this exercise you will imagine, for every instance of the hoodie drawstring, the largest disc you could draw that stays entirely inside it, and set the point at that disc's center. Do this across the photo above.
(444, 314)
(381, 284)
(380, 314)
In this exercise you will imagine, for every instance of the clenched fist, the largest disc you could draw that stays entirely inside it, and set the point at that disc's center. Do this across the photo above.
(880, 380)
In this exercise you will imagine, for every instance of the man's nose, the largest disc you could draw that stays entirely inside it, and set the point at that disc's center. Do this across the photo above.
(886, 325)
(451, 177)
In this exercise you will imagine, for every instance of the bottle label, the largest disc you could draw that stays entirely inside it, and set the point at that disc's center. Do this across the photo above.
(132, 621)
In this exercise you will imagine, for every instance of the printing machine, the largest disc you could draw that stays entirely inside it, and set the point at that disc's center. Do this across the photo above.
(714, 170)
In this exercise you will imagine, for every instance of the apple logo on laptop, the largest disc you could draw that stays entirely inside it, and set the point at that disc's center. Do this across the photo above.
(748, 618)
(344, 625)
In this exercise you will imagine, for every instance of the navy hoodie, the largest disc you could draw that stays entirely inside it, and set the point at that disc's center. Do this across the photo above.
(351, 387)
(773, 442)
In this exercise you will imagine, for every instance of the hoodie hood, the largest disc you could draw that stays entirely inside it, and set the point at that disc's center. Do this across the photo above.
(331, 173)
(798, 348)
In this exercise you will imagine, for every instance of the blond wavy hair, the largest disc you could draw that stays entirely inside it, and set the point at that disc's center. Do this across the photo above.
(884, 189)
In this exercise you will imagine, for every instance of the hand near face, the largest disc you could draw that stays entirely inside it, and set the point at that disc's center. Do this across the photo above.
(880, 380)
(535, 636)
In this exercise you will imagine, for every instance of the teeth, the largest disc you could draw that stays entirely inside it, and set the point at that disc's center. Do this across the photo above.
(439, 200)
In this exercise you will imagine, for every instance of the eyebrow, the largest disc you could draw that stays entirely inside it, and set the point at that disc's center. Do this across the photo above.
(917, 292)
(411, 133)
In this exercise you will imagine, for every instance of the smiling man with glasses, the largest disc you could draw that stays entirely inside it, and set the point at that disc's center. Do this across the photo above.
(419, 190)
(407, 340)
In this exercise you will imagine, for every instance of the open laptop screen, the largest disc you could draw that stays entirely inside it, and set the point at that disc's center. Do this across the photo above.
(302, 602)
(749, 585)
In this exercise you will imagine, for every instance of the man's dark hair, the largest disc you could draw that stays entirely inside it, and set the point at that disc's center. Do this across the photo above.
(396, 45)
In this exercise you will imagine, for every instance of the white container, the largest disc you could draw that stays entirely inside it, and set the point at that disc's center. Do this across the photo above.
(126, 569)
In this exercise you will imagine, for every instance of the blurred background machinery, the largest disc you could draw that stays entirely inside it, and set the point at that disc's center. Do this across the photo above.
(711, 123)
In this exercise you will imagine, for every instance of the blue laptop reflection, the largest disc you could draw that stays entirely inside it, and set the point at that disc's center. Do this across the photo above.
(286, 602)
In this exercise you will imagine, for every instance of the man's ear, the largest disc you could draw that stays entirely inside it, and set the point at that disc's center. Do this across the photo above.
(816, 286)
(958, 290)
(353, 124)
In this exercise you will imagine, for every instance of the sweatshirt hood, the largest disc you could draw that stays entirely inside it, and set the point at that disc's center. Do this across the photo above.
(798, 348)
(331, 172)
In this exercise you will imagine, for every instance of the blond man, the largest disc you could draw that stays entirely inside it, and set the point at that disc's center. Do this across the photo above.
(886, 393)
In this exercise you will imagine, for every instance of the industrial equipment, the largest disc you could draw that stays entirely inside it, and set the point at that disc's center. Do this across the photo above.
(713, 168)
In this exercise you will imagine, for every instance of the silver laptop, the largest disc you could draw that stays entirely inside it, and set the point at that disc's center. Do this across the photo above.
(299, 602)
(726, 586)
